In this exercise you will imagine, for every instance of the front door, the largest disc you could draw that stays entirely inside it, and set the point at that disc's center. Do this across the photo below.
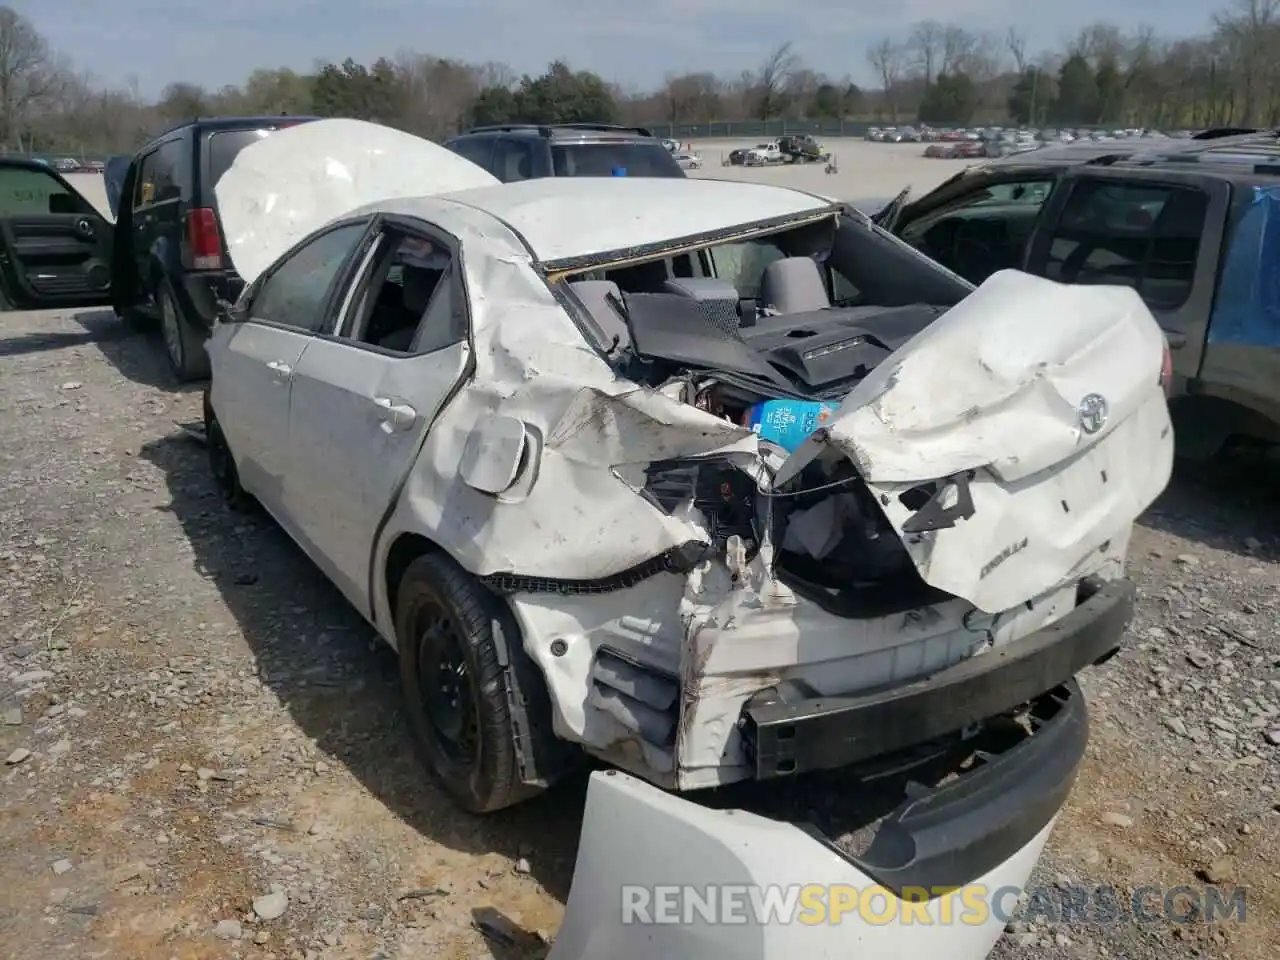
(155, 214)
(1156, 231)
(255, 358)
(55, 246)
(363, 401)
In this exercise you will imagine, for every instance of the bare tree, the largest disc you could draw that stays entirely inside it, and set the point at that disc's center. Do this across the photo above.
(27, 75)
(958, 48)
(1248, 30)
(771, 81)
(887, 59)
(182, 101)
(1016, 41)
(691, 98)
(925, 43)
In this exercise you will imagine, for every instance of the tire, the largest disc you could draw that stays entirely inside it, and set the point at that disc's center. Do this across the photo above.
(455, 686)
(183, 342)
(136, 319)
(222, 465)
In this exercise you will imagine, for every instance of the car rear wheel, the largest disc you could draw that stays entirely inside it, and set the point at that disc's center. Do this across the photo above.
(183, 343)
(455, 685)
(221, 464)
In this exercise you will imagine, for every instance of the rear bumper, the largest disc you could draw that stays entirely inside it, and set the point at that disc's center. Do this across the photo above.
(205, 288)
(645, 857)
(789, 738)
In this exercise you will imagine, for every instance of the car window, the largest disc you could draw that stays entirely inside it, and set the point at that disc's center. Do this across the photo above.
(613, 159)
(410, 299)
(1031, 192)
(1139, 234)
(295, 292)
(27, 191)
(478, 150)
(1023, 195)
(742, 263)
(513, 159)
(225, 146)
(160, 175)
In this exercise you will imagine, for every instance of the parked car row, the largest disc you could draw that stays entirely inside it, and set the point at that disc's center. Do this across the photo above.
(927, 134)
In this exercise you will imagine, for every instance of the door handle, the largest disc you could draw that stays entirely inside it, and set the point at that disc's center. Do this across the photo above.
(396, 416)
(1176, 340)
(277, 366)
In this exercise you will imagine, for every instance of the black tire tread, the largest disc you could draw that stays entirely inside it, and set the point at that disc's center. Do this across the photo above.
(195, 360)
(498, 783)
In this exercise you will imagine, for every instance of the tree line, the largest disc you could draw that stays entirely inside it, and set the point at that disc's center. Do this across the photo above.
(936, 72)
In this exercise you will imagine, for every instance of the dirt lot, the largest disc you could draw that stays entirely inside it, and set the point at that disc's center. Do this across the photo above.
(191, 718)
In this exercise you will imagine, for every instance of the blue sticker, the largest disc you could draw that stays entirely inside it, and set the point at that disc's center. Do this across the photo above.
(788, 423)
(1246, 308)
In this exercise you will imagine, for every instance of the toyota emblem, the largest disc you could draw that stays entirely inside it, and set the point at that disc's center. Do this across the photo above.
(1092, 413)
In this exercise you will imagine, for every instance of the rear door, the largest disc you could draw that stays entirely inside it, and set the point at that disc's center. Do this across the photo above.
(55, 245)
(255, 358)
(155, 220)
(363, 401)
(1157, 231)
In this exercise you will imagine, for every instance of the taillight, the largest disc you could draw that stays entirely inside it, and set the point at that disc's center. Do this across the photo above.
(204, 239)
(1166, 370)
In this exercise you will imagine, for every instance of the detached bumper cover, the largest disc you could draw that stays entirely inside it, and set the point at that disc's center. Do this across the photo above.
(790, 738)
(985, 828)
(640, 844)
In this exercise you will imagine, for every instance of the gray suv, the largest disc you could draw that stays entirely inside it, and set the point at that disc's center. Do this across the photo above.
(524, 151)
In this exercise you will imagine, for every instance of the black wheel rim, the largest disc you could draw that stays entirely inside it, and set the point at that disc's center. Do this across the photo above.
(445, 684)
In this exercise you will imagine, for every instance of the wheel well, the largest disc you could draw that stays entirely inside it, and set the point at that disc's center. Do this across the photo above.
(406, 549)
(1203, 424)
(543, 757)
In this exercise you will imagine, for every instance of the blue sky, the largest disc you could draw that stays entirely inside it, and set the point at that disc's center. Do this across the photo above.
(215, 42)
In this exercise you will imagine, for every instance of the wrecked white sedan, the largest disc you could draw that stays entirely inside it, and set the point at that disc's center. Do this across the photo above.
(713, 481)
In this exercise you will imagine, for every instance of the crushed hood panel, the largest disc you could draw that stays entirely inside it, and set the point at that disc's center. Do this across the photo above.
(997, 381)
(1044, 401)
(295, 181)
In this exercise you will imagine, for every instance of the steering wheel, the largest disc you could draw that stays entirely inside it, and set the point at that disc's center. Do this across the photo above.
(973, 259)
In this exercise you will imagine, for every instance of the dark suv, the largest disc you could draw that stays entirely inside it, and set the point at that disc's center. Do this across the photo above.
(169, 262)
(1192, 225)
(525, 151)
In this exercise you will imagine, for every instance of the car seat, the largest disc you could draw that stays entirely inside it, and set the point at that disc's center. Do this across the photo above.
(794, 285)
(418, 284)
(595, 296)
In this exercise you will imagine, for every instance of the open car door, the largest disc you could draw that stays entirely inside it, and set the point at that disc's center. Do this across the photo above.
(887, 216)
(113, 175)
(55, 246)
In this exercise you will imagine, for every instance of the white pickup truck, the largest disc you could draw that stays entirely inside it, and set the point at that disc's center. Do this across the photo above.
(763, 153)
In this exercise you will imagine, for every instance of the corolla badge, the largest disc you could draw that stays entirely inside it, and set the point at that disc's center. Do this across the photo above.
(1092, 412)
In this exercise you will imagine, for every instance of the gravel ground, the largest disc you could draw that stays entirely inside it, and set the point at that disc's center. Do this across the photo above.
(197, 733)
